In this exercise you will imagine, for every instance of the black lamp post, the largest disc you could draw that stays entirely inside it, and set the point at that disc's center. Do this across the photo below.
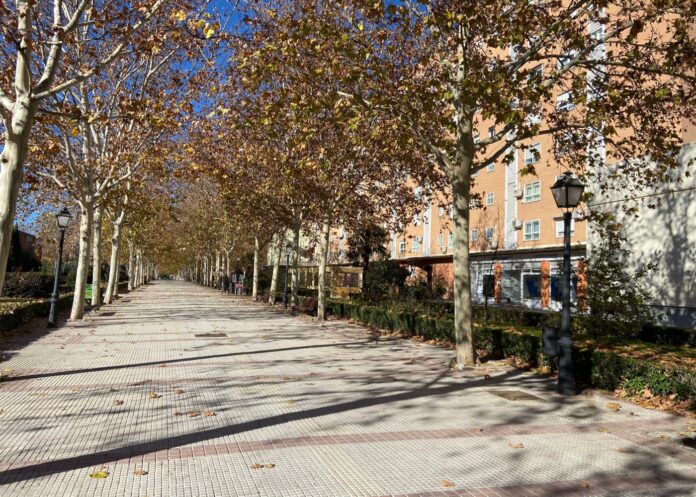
(63, 219)
(567, 192)
(288, 251)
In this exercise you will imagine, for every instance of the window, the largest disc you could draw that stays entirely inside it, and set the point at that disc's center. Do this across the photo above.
(532, 192)
(489, 233)
(564, 101)
(532, 230)
(489, 285)
(474, 235)
(531, 284)
(559, 227)
(532, 154)
(451, 212)
(402, 247)
(415, 245)
(440, 239)
(490, 168)
(490, 198)
(450, 240)
(537, 73)
(491, 132)
(557, 288)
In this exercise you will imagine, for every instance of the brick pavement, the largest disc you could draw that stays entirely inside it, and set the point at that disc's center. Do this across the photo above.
(337, 410)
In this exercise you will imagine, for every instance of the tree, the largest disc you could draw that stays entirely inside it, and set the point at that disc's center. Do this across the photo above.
(364, 243)
(608, 81)
(76, 41)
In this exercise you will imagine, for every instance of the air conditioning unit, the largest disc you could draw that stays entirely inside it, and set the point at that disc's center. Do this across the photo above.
(517, 224)
(518, 193)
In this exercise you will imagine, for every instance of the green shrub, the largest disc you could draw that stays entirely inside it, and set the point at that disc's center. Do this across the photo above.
(28, 285)
(25, 311)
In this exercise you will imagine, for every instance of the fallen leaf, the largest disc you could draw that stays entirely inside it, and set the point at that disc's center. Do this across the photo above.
(99, 474)
(410, 361)
(177, 413)
(193, 414)
(118, 402)
(270, 465)
(601, 429)
(163, 366)
(585, 485)
(178, 391)
(447, 483)
(614, 406)
(153, 395)
(517, 446)
(291, 402)
(140, 472)
(624, 450)
(256, 466)
(208, 412)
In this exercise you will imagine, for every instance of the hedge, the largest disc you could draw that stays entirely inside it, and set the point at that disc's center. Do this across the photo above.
(605, 370)
(28, 285)
(10, 320)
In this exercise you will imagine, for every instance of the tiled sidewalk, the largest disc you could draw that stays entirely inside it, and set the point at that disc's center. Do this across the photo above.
(196, 389)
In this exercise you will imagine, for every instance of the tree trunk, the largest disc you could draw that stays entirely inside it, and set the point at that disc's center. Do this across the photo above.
(112, 282)
(255, 283)
(96, 256)
(131, 266)
(294, 299)
(11, 171)
(78, 305)
(217, 269)
(321, 297)
(278, 252)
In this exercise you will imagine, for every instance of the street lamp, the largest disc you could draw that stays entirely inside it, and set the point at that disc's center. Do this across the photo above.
(567, 192)
(288, 251)
(63, 219)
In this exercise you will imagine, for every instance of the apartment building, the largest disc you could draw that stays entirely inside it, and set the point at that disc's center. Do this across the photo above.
(516, 235)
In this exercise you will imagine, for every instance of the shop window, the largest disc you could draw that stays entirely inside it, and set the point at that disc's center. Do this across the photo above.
(531, 286)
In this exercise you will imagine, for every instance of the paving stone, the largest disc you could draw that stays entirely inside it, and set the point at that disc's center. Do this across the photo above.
(334, 409)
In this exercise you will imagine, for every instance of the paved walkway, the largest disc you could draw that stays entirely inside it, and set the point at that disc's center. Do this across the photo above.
(216, 396)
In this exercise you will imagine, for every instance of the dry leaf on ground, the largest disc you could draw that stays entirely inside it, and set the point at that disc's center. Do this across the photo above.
(517, 446)
(178, 391)
(626, 450)
(602, 429)
(140, 472)
(118, 402)
(447, 483)
(270, 465)
(154, 395)
(99, 474)
(193, 414)
(177, 413)
(208, 412)
(291, 402)
(614, 406)
(256, 466)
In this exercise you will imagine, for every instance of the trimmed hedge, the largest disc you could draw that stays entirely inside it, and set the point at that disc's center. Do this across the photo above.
(604, 370)
(28, 285)
(12, 319)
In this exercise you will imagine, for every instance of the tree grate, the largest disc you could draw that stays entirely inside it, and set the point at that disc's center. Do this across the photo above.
(515, 395)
